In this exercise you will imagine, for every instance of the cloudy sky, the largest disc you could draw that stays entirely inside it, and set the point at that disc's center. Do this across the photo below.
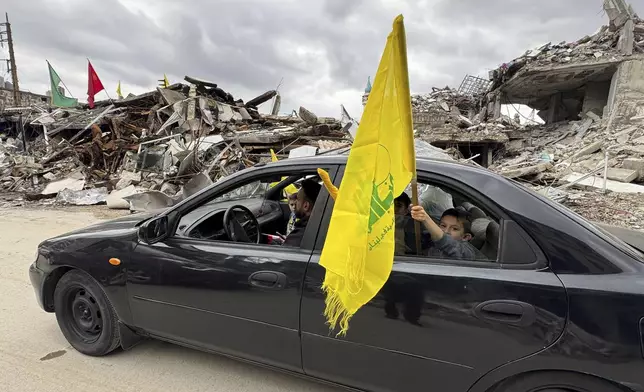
(323, 49)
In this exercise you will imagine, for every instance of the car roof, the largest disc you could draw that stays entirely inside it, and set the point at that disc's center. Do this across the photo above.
(422, 163)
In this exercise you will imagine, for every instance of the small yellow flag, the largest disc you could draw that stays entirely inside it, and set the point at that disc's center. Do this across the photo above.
(291, 189)
(359, 248)
(118, 90)
(166, 83)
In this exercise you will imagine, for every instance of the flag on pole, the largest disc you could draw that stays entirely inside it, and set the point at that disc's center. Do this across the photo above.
(94, 84)
(57, 97)
(118, 90)
(359, 248)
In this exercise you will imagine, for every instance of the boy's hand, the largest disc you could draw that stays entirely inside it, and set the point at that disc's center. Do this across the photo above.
(419, 214)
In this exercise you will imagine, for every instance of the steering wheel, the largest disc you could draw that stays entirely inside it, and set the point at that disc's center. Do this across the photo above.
(242, 227)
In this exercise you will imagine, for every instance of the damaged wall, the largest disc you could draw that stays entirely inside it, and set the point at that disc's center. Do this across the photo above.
(627, 95)
(596, 97)
(26, 98)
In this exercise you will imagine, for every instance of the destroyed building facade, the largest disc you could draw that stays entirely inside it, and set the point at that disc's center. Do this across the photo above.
(26, 98)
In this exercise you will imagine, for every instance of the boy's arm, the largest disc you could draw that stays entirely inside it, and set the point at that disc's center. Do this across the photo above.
(453, 249)
(435, 232)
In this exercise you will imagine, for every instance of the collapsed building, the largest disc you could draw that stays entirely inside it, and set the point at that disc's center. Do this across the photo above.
(162, 146)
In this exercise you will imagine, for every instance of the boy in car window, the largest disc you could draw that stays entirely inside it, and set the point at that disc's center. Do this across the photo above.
(451, 237)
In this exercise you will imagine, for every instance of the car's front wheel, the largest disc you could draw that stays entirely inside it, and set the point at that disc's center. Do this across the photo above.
(85, 315)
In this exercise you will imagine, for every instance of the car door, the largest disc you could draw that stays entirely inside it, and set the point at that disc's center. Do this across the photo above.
(439, 324)
(240, 299)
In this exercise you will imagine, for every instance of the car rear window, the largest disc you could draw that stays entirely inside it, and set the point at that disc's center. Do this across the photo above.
(609, 237)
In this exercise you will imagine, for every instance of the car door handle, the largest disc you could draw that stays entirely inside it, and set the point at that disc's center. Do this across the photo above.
(507, 311)
(268, 280)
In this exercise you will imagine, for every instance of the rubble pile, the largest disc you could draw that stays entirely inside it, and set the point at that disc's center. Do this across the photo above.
(447, 99)
(168, 144)
(601, 46)
(568, 162)
(446, 116)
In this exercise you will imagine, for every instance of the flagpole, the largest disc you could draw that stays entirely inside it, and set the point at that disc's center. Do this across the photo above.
(67, 88)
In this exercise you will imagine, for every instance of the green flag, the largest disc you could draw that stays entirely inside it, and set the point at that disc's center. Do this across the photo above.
(57, 98)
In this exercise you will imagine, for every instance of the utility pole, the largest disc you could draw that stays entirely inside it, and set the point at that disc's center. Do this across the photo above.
(12, 59)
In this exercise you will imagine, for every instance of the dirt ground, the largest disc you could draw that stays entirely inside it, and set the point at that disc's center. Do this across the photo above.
(34, 355)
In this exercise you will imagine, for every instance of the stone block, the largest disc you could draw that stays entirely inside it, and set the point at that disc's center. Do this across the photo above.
(636, 164)
(589, 149)
(622, 175)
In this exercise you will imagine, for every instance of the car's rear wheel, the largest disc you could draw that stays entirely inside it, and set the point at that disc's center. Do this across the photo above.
(556, 381)
(85, 315)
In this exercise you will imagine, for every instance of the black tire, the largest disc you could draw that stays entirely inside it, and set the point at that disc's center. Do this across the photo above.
(556, 381)
(85, 315)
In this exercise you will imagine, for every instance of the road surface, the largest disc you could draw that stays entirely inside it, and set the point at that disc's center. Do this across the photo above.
(35, 357)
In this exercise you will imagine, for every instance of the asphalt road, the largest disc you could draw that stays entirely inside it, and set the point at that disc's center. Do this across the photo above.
(34, 355)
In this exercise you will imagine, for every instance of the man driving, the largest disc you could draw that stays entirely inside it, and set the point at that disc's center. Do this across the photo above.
(306, 197)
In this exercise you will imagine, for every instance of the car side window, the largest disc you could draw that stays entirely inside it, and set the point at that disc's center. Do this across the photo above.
(469, 231)
(269, 198)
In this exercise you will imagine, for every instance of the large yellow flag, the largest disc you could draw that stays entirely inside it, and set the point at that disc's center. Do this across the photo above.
(359, 248)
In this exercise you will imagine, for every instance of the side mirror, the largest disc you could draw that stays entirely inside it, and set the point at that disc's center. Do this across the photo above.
(154, 230)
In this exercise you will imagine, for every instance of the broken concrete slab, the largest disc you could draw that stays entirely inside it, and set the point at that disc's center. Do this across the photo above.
(149, 201)
(583, 128)
(639, 140)
(308, 116)
(225, 112)
(127, 178)
(49, 176)
(598, 183)
(74, 182)
(116, 199)
(636, 164)
(592, 148)
(622, 175)
(527, 171)
(636, 149)
(169, 189)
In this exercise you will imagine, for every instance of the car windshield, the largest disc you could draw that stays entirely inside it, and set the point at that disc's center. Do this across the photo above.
(609, 237)
(255, 189)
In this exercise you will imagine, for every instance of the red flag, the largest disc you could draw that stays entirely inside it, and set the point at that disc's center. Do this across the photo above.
(94, 84)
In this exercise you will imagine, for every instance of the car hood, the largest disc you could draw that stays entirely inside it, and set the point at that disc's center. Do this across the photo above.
(111, 227)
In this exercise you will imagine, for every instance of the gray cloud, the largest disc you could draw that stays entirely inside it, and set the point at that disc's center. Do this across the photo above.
(324, 50)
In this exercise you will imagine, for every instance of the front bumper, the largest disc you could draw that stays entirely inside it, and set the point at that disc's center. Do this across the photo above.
(37, 277)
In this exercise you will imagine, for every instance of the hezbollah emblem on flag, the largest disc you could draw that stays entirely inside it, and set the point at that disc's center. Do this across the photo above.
(359, 248)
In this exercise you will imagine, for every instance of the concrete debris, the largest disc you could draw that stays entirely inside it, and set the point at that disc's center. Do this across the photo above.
(598, 183)
(636, 164)
(160, 140)
(82, 197)
(72, 183)
(116, 200)
(622, 175)
(149, 201)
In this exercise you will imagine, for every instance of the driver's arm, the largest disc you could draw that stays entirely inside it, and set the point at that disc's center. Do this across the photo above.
(295, 237)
